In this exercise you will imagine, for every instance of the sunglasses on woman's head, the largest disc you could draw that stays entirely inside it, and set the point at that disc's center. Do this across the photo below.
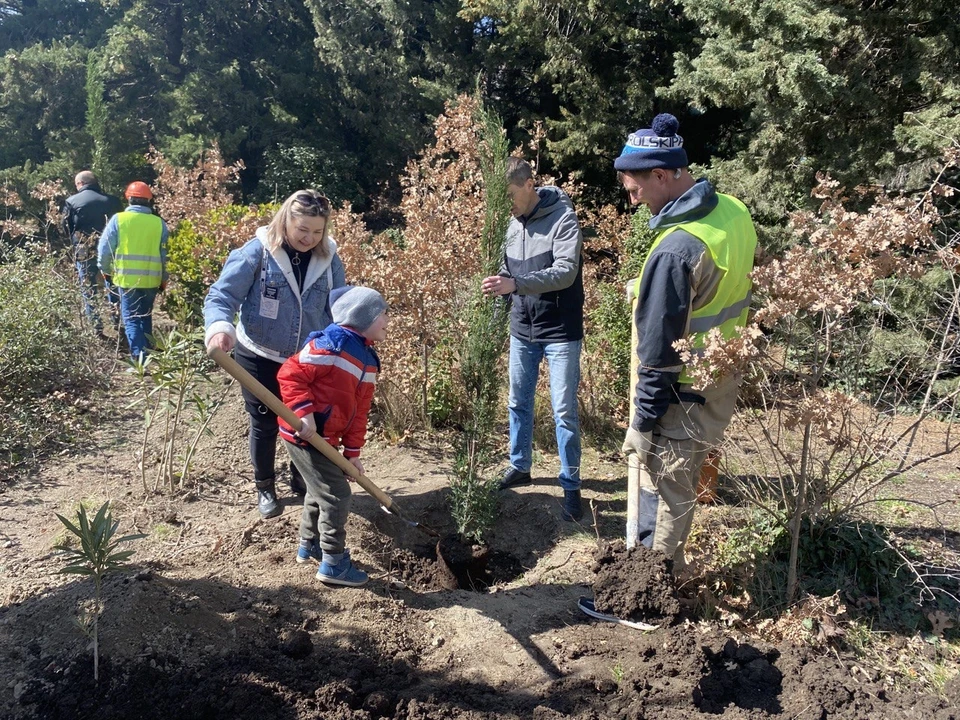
(305, 199)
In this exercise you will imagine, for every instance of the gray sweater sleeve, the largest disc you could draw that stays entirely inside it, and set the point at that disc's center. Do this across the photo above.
(567, 246)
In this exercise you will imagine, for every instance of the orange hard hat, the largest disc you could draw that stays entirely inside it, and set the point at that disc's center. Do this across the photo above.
(138, 189)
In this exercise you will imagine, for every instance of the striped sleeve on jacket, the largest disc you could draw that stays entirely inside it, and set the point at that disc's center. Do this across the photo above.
(335, 381)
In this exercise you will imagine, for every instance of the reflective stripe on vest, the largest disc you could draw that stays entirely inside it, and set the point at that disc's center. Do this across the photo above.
(731, 240)
(137, 262)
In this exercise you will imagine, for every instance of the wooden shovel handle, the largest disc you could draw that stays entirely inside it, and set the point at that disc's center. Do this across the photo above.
(249, 382)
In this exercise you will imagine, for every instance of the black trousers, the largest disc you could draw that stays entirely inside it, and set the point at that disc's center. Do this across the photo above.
(263, 421)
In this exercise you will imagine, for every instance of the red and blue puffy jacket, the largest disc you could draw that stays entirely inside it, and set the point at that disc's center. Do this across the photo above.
(334, 377)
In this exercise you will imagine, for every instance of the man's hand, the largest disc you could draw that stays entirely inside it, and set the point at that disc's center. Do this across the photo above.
(308, 427)
(220, 340)
(637, 443)
(498, 285)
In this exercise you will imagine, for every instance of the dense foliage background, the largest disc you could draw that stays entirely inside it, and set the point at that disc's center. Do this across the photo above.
(342, 94)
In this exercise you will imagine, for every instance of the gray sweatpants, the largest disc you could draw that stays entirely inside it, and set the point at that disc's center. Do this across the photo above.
(327, 503)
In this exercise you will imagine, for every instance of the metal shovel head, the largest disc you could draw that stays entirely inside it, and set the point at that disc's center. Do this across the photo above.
(587, 606)
(395, 512)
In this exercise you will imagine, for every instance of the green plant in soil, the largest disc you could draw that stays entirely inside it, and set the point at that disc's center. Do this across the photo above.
(97, 555)
(473, 498)
(179, 402)
(617, 673)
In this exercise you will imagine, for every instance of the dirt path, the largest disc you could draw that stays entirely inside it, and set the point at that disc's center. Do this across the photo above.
(214, 619)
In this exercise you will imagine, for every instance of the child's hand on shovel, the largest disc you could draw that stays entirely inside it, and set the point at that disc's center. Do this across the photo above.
(358, 465)
(308, 428)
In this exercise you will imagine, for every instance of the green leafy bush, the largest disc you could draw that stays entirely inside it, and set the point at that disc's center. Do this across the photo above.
(638, 243)
(45, 350)
(860, 559)
(443, 402)
(611, 318)
(855, 556)
(605, 367)
(195, 256)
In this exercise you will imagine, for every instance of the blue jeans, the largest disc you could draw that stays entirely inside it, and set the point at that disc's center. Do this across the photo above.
(136, 308)
(563, 359)
(91, 285)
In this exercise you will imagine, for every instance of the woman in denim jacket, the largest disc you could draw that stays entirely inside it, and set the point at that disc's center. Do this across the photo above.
(280, 283)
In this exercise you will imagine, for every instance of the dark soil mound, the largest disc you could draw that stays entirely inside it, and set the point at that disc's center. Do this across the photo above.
(463, 565)
(635, 584)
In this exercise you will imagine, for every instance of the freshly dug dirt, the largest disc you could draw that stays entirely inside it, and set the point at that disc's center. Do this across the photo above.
(214, 619)
(635, 584)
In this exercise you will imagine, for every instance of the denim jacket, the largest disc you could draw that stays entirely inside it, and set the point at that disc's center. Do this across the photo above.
(252, 274)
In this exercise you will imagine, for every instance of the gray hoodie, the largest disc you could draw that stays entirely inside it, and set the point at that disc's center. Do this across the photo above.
(543, 255)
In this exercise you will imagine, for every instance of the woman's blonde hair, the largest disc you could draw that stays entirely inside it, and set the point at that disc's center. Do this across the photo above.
(303, 203)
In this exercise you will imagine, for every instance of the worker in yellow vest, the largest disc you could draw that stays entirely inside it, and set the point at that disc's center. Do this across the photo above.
(695, 278)
(133, 258)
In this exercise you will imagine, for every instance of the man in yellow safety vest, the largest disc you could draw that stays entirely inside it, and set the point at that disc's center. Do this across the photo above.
(133, 257)
(695, 278)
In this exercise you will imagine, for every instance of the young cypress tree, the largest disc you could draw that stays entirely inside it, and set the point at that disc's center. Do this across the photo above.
(473, 496)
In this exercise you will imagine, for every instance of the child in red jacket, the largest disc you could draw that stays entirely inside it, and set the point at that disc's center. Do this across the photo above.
(329, 385)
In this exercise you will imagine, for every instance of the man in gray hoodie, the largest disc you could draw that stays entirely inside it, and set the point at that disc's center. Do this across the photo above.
(694, 279)
(542, 273)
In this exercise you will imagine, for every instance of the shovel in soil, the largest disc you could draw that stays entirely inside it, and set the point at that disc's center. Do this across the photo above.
(290, 417)
(587, 606)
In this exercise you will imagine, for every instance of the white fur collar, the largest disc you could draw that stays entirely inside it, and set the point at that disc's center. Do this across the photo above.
(318, 265)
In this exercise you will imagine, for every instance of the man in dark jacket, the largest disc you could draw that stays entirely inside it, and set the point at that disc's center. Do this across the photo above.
(542, 274)
(84, 217)
(696, 278)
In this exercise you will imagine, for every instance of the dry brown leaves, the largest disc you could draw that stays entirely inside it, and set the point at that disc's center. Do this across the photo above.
(182, 193)
(424, 277)
(834, 265)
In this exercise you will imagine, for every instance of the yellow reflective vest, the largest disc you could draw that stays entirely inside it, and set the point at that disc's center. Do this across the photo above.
(137, 262)
(731, 240)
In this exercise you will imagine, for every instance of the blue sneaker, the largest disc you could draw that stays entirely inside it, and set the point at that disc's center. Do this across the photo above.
(340, 570)
(308, 552)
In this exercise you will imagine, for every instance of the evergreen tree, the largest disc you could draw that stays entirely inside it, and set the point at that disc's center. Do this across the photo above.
(588, 69)
(852, 88)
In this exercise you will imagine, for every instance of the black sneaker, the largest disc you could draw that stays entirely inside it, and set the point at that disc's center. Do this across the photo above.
(572, 509)
(267, 498)
(514, 477)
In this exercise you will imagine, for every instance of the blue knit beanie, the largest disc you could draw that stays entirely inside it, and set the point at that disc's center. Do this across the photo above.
(657, 147)
(356, 307)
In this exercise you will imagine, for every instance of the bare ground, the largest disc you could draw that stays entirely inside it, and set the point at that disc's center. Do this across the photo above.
(214, 619)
